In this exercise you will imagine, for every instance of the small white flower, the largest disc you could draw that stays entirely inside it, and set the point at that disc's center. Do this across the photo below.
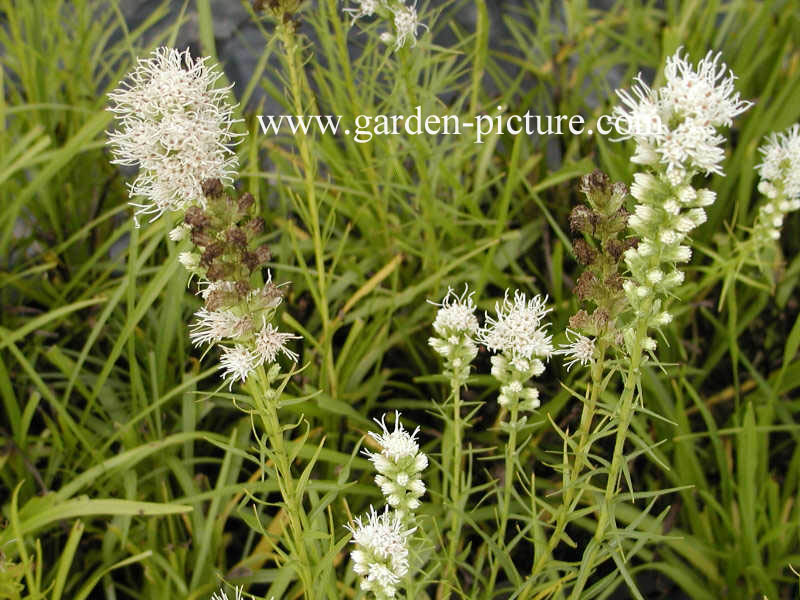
(179, 233)
(780, 167)
(213, 326)
(406, 24)
(518, 330)
(189, 260)
(366, 8)
(456, 314)
(269, 343)
(381, 554)
(397, 444)
(237, 362)
(580, 349)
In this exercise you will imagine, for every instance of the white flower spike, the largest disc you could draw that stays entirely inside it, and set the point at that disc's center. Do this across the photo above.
(176, 127)
(381, 554)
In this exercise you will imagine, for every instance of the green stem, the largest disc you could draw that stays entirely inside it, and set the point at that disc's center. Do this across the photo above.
(265, 398)
(298, 89)
(508, 486)
(451, 575)
(625, 414)
(581, 452)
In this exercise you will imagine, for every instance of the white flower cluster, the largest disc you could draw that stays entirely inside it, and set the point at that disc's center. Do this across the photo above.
(399, 465)
(254, 343)
(579, 349)
(404, 18)
(682, 140)
(176, 127)
(675, 126)
(780, 182)
(456, 326)
(519, 335)
(381, 554)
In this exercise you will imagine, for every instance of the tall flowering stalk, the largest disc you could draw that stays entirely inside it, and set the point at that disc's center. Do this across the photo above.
(177, 128)
(518, 335)
(455, 326)
(381, 557)
(676, 132)
(779, 174)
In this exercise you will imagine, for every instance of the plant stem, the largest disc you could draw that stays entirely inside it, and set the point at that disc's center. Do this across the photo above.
(508, 486)
(581, 452)
(625, 414)
(298, 89)
(266, 402)
(451, 574)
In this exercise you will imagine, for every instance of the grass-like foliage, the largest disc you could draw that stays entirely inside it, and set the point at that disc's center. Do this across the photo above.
(415, 366)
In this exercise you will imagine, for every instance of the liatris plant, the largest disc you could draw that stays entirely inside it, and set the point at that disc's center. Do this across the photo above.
(518, 334)
(780, 184)
(599, 223)
(176, 127)
(675, 129)
(403, 17)
(381, 556)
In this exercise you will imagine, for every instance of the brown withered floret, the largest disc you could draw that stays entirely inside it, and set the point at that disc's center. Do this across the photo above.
(582, 219)
(242, 287)
(614, 282)
(254, 226)
(212, 251)
(250, 260)
(196, 217)
(601, 318)
(263, 253)
(580, 320)
(246, 200)
(586, 285)
(615, 248)
(200, 238)
(236, 236)
(595, 182)
(585, 254)
(212, 188)
(218, 272)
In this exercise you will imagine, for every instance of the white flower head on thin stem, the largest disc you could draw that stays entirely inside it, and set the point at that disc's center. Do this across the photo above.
(366, 8)
(176, 127)
(780, 183)
(270, 343)
(213, 326)
(406, 24)
(456, 326)
(676, 125)
(518, 330)
(237, 362)
(399, 464)
(780, 167)
(456, 314)
(221, 595)
(580, 349)
(381, 554)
